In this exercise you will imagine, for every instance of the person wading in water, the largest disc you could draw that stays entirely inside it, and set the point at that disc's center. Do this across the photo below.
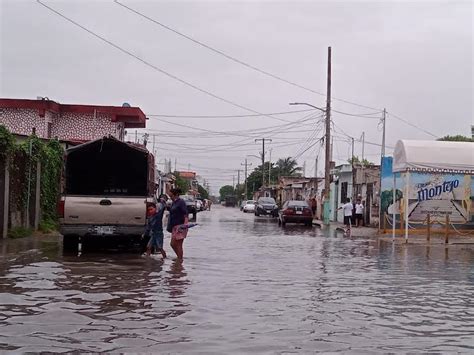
(178, 216)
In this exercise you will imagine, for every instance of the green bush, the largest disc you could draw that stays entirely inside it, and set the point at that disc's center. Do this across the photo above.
(48, 226)
(19, 232)
(22, 163)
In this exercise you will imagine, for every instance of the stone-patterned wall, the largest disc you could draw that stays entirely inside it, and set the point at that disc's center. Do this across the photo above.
(65, 126)
(22, 121)
(73, 126)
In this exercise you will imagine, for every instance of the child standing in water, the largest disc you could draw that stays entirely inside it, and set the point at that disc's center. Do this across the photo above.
(154, 226)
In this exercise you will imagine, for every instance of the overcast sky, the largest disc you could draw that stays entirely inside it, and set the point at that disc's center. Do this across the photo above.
(414, 58)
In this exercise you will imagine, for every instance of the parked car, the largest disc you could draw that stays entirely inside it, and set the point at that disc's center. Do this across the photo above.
(266, 206)
(249, 206)
(295, 212)
(242, 204)
(190, 204)
(199, 205)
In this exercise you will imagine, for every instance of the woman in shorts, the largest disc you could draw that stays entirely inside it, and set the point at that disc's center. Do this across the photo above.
(178, 216)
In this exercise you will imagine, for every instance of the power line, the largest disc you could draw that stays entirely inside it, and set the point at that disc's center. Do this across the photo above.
(236, 133)
(231, 116)
(241, 62)
(162, 71)
(362, 115)
(412, 125)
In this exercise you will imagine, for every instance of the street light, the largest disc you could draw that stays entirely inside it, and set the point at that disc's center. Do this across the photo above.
(253, 155)
(327, 165)
(306, 104)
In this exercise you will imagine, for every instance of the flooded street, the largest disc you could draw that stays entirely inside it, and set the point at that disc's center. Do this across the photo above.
(245, 286)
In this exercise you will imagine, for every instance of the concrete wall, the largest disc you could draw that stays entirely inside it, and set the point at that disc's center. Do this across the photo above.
(23, 121)
(64, 126)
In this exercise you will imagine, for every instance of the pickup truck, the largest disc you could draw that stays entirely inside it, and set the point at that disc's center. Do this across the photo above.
(106, 186)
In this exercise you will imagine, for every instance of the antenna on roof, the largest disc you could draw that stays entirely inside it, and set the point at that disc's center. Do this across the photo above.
(126, 104)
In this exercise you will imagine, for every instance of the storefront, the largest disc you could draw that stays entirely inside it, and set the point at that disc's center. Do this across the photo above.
(429, 180)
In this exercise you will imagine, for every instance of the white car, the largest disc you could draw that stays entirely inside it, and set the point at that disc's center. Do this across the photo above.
(249, 206)
(199, 206)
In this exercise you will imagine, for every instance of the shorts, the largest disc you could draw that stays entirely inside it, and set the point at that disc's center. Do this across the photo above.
(358, 217)
(347, 220)
(156, 240)
(179, 234)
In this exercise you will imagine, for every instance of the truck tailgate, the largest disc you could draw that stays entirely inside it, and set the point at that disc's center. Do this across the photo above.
(97, 210)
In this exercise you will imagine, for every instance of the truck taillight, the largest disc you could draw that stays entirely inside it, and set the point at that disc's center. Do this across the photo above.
(61, 208)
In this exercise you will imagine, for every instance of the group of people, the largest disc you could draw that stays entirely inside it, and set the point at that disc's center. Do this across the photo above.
(177, 220)
(353, 213)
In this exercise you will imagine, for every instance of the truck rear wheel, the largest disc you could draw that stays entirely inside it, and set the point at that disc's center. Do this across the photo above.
(70, 242)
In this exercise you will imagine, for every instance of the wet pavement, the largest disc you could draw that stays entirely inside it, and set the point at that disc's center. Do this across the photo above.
(245, 286)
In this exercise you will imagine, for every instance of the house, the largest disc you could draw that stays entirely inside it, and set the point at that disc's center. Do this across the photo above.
(366, 180)
(340, 191)
(266, 191)
(66, 122)
(164, 183)
(300, 188)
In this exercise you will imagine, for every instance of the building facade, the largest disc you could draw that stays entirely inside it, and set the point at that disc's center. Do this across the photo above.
(76, 123)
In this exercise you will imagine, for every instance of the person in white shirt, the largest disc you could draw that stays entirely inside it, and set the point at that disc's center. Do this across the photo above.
(347, 208)
(359, 213)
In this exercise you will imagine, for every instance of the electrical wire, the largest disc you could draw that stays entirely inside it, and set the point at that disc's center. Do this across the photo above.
(241, 62)
(232, 116)
(162, 71)
(412, 125)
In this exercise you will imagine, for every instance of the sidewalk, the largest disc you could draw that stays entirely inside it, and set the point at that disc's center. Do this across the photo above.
(370, 232)
(437, 238)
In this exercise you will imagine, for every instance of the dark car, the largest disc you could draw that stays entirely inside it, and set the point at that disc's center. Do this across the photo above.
(190, 204)
(295, 212)
(266, 206)
(230, 201)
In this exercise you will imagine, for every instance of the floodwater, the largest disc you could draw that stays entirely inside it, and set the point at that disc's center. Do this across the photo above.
(245, 286)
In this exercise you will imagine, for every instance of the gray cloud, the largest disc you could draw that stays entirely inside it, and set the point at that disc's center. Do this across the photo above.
(414, 58)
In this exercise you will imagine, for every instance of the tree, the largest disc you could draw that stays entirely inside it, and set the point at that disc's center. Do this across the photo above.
(287, 167)
(364, 162)
(203, 192)
(254, 181)
(181, 183)
(456, 138)
(226, 190)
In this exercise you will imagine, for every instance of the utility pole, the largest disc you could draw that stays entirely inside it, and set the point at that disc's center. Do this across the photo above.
(246, 164)
(270, 168)
(363, 146)
(382, 155)
(175, 163)
(384, 117)
(238, 178)
(304, 168)
(233, 182)
(263, 158)
(352, 158)
(327, 167)
(154, 145)
(316, 167)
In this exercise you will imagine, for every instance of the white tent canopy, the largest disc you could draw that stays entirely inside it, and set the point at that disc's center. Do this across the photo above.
(434, 156)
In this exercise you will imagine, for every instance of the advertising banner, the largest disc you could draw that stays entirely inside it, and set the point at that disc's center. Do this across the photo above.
(436, 194)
